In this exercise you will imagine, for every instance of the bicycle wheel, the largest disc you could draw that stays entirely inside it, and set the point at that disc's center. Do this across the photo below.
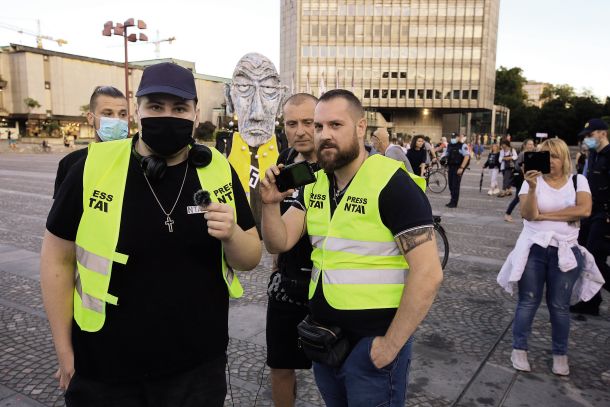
(437, 182)
(442, 244)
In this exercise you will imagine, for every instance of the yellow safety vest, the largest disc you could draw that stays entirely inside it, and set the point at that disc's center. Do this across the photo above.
(241, 161)
(354, 253)
(104, 181)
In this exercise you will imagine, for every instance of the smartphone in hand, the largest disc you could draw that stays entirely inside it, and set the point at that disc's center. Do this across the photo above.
(294, 176)
(538, 161)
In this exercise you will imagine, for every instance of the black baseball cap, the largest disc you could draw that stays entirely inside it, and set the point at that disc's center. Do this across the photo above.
(592, 125)
(168, 78)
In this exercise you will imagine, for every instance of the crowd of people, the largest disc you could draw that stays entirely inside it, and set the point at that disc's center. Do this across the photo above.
(146, 234)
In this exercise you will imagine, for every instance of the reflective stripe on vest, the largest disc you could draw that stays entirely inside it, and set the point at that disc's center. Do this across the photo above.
(356, 246)
(385, 276)
(104, 179)
(356, 274)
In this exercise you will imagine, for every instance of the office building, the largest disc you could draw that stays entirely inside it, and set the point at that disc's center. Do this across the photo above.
(411, 62)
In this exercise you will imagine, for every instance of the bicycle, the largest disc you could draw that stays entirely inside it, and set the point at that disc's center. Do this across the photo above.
(442, 243)
(436, 179)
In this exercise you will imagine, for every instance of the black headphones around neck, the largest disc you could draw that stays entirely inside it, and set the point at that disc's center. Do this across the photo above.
(154, 166)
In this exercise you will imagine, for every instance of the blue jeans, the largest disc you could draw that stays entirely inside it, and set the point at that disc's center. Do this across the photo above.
(358, 383)
(542, 267)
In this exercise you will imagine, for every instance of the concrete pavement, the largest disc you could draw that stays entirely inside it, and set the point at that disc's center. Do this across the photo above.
(461, 352)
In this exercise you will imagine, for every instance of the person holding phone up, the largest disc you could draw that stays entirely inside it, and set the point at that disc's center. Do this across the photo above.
(547, 253)
(365, 216)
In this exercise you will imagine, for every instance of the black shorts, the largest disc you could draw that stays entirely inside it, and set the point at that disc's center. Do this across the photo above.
(283, 350)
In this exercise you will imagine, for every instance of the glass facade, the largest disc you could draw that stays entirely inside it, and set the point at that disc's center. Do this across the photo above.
(393, 53)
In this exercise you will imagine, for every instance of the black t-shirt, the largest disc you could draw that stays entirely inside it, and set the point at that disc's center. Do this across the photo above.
(402, 207)
(64, 167)
(598, 175)
(417, 158)
(294, 266)
(172, 311)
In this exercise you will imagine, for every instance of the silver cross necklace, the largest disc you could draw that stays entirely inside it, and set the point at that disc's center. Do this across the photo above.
(169, 222)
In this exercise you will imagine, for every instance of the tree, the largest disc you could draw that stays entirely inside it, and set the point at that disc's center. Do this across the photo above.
(31, 103)
(509, 87)
(565, 93)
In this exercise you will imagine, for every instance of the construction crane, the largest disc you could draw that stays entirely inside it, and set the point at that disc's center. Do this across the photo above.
(158, 42)
(38, 35)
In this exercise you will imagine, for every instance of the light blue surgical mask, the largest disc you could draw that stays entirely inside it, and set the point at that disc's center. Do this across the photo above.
(112, 128)
(591, 143)
(453, 141)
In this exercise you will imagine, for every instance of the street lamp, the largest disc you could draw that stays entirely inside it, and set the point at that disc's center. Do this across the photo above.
(121, 29)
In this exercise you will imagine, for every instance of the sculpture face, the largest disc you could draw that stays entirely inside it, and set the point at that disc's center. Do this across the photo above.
(255, 96)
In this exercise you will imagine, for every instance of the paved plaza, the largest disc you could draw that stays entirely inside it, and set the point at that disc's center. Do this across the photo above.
(461, 351)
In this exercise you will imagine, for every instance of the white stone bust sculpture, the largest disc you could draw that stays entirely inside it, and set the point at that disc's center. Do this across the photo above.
(255, 95)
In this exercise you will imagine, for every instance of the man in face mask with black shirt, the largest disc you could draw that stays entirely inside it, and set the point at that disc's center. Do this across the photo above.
(136, 272)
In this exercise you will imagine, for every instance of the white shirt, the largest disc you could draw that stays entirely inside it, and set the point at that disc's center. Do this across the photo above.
(550, 199)
(503, 154)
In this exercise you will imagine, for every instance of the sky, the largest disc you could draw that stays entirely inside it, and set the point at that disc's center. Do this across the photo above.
(554, 41)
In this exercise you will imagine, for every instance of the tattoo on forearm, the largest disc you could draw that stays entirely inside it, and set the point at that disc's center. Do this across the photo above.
(411, 239)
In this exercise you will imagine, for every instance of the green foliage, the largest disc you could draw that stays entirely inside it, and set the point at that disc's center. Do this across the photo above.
(565, 93)
(564, 113)
(509, 87)
(31, 103)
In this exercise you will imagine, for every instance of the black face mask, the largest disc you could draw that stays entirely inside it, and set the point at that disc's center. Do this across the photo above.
(166, 135)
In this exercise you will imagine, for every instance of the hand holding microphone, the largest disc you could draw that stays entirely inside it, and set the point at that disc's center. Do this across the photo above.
(220, 218)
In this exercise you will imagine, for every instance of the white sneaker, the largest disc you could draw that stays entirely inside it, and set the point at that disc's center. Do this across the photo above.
(560, 365)
(496, 191)
(519, 359)
(490, 192)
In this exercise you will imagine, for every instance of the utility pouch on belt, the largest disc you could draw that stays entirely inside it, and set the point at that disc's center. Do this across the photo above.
(322, 344)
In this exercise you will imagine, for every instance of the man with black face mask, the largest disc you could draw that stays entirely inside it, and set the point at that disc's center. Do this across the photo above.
(143, 319)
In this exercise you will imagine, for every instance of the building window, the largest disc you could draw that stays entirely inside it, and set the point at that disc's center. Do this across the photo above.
(368, 52)
(341, 30)
(474, 94)
(385, 75)
(313, 51)
(375, 93)
(384, 93)
(403, 75)
(305, 51)
(402, 93)
(323, 30)
(377, 30)
(393, 94)
(385, 52)
(47, 85)
(350, 30)
(367, 93)
(411, 93)
(464, 94)
(420, 93)
(395, 52)
(314, 30)
(394, 75)
(456, 94)
(429, 94)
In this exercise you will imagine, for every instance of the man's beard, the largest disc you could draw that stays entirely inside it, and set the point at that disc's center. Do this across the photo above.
(339, 159)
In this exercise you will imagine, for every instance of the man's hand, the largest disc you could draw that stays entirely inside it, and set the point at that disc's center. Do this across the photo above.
(383, 352)
(269, 192)
(460, 171)
(221, 222)
(65, 371)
